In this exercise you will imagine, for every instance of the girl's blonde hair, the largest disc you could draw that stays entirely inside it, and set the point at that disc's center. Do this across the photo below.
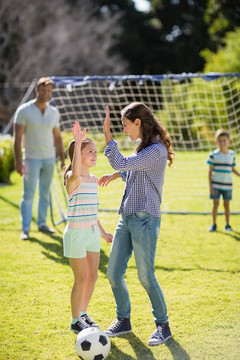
(70, 150)
(150, 127)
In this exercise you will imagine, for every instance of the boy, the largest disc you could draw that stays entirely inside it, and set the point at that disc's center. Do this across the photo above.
(222, 164)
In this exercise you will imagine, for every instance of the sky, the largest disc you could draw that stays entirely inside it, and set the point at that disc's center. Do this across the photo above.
(142, 5)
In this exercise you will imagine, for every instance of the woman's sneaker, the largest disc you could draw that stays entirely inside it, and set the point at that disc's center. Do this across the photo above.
(119, 327)
(160, 335)
(79, 326)
(88, 320)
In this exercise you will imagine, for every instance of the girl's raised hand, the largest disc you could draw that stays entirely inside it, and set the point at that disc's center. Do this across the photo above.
(78, 135)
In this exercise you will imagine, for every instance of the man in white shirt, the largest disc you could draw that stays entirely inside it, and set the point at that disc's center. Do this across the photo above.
(36, 127)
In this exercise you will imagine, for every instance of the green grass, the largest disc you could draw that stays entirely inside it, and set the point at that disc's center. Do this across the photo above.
(199, 273)
(186, 185)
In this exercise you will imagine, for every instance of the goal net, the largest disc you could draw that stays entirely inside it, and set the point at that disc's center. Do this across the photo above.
(191, 106)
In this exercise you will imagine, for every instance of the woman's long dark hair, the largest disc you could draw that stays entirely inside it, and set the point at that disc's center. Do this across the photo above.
(150, 127)
(71, 148)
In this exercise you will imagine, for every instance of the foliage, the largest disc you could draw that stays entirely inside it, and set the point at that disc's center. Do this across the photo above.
(183, 33)
(226, 59)
(78, 37)
(198, 271)
(6, 158)
(197, 109)
(221, 17)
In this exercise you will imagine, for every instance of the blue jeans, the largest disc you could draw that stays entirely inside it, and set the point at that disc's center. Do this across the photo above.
(138, 233)
(42, 171)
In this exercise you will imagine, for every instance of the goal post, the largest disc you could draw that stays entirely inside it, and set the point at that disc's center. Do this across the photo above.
(191, 106)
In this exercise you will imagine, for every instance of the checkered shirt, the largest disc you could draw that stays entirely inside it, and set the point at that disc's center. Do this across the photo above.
(144, 176)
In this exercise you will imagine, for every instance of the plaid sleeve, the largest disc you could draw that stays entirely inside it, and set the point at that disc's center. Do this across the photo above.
(140, 161)
(123, 175)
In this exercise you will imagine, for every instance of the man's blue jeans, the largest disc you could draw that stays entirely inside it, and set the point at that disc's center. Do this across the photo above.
(138, 233)
(42, 171)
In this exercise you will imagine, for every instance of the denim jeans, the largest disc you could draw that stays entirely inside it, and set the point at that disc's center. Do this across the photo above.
(137, 233)
(42, 171)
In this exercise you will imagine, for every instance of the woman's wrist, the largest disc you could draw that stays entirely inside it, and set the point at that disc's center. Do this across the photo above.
(108, 137)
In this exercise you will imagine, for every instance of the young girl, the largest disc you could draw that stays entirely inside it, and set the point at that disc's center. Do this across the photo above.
(81, 239)
(140, 216)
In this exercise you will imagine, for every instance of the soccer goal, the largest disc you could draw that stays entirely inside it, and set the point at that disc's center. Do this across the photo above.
(191, 106)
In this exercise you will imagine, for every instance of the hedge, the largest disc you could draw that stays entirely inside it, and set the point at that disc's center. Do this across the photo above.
(6, 158)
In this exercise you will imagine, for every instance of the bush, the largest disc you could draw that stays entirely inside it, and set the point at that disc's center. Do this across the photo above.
(6, 158)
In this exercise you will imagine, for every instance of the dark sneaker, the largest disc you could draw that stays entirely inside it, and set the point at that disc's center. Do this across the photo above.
(160, 335)
(46, 229)
(79, 326)
(213, 228)
(228, 228)
(89, 320)
(119, 327)
(24, 235)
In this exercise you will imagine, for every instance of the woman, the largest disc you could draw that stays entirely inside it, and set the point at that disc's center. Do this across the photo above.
(140, 215)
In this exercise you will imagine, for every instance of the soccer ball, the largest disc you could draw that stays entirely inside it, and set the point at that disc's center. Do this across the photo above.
(92, 344)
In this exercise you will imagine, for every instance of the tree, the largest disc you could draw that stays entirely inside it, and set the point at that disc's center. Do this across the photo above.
(226, 59)
(56, 37)
(221, 16)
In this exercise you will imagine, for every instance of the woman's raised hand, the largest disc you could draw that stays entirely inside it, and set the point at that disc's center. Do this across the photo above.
(106, 126)
(78, 135)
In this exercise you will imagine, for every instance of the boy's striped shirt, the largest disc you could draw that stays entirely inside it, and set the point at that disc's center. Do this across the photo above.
(222, 168)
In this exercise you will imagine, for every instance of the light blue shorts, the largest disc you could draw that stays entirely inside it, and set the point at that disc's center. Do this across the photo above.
(76, 242)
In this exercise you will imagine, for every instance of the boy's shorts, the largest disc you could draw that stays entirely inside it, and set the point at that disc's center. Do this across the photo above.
(76, 242)
(226, 194)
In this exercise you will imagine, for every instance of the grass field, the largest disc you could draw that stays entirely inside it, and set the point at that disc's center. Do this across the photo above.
(199, 273)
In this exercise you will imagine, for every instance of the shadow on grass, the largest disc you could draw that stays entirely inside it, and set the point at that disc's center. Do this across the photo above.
(233, 234)
(5, 199)
(54, 251)
(196, 268)
(144, 352)
(178, 353)
(141, 350)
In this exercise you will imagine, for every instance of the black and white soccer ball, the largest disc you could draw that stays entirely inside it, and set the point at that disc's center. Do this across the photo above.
(92, 344)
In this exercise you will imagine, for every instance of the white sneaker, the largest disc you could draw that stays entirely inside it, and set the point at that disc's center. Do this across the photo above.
(24, 235)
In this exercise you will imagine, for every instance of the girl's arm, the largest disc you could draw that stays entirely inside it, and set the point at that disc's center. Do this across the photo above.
(106, 179)
(73, 176)
(107, 236)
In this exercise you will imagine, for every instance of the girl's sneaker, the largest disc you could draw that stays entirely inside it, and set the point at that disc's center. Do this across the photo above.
(88, 320)
(79, 326)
